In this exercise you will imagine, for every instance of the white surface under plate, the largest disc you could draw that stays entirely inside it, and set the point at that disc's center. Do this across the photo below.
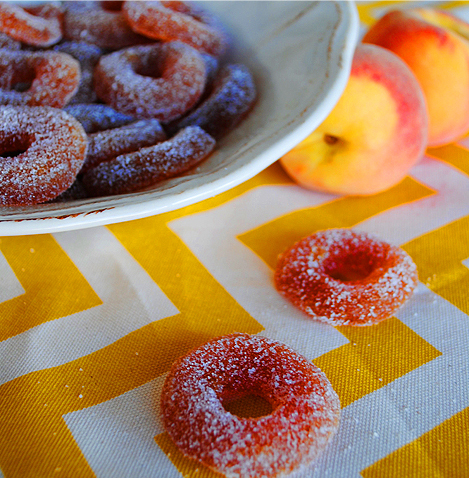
(300, 54)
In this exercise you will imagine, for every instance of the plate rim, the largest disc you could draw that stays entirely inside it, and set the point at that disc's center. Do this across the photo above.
(116, 214)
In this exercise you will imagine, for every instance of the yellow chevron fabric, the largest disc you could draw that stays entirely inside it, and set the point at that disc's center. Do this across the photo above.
(91, 321)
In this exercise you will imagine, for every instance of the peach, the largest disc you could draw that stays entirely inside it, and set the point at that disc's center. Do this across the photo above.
(435, 46)
(376, 132)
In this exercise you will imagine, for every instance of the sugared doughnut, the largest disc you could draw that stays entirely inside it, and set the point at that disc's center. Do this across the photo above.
(75, 191)
(106, 145)
(232, 97)
(99, 23)
(41, 150)
(147, 166)
(37, 26)
(176, 20)
(52, 78)
(160, 81)
(305, 412)
(8, 42)
(88, 56)
(342, 277)
(97, 117)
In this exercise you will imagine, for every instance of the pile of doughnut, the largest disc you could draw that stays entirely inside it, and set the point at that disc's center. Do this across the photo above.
(104, 98)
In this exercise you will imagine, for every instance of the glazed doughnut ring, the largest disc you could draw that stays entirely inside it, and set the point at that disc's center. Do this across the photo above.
(176, 20)
(53, 78)
(305, 407)
(37, 26)
(342, 277)
(41, 149)
(159, 81)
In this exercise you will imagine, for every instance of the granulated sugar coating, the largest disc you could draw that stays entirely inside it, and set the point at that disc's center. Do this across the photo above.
(305, 412)
(9, 43)
(342, 277)
(38, 25)
(97, 117)
(92, 22)
(41, 151)
(87, 56)
(232, 97)
(176, 20)
(160, 81)
(105, 145)
(53, 76)
(89, 60)
(133, 171)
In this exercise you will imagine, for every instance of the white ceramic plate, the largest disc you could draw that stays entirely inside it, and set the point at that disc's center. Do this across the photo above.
(300, 54)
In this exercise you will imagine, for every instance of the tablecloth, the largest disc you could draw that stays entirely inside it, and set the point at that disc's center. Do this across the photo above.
(91, 320)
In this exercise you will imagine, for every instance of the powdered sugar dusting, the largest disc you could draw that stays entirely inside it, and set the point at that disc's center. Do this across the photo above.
(305, 416)
(342, 277)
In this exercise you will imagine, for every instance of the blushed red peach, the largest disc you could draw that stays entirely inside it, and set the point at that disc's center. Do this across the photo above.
(435, 46)
(377, 131)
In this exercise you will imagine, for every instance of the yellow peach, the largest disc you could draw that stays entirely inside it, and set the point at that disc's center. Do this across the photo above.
(435, 46)
(376, 132)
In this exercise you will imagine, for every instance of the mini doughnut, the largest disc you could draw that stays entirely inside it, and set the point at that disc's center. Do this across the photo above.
(342, 277)
(160, 81)
(95, 23)
(106, 145)
(36, 26)
(42, 149)
(176, 20)
(97, 117)
(52, 78)
(147, 166)
(305, 416)
(232, 97)
(88, 56)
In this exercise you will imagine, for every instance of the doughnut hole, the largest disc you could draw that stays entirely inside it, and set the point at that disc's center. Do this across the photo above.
(111, 6)
(13, 145)
(23, 78)
(248, 405)
(352, 263)
(151, 68)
